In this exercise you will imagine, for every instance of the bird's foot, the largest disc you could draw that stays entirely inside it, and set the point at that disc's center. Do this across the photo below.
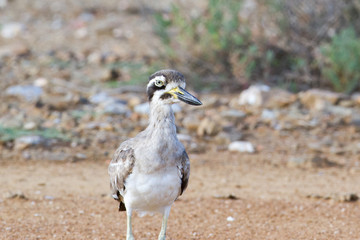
(130, 237)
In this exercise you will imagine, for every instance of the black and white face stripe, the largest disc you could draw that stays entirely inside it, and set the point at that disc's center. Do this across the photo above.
(164, 79)
(154, 85)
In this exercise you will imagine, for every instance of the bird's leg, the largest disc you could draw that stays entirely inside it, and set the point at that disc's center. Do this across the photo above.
(129, 235)
(162, 235)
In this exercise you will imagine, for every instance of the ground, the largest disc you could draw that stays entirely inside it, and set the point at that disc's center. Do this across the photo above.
(71, 201)
(291, 187)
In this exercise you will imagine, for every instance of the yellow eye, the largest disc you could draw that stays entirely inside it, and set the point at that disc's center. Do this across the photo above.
(159, 83)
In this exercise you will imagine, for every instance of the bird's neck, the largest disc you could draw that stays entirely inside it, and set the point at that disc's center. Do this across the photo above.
(162, 118)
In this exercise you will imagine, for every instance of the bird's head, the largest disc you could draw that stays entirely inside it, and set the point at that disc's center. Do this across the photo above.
(168, 86)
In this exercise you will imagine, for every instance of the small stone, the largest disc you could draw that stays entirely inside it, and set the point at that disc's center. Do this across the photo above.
(116, 108)
(47, 197)
(233, 115)
(241, 146)
(296, 161)
(254, 95)
(208, 127)
(339, 111)
(134, 101)
(318, 99)
(356, 98)
(191, 122)
(14, 195)
(105, 75)
(94, 58)
(11, 30)
(80, 156)
(3, 3)
(60, 102)
(13, 49)
(230, 219)
(100, 98)
(81, 33)
(28, 141)
(346, 103)
(222, 139)
(55, 156)
(41, 82)
(278, 98)
(30, 126)
(268, 116)
(28, 92)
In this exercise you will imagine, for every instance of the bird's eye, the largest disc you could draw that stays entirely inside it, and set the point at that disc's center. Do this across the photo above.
(159, 83)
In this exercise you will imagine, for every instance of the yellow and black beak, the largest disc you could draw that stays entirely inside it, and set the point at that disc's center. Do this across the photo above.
(185, 96)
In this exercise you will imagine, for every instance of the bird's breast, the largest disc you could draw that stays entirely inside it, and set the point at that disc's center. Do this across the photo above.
(151, 192)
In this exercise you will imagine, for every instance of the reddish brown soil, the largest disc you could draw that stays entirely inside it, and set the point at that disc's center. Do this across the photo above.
(71, 201)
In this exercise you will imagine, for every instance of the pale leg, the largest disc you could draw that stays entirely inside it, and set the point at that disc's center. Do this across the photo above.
(162, 234)
(129, 235)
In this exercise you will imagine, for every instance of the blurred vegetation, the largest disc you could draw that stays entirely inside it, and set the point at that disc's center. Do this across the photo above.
(9, 134)
(294, 44)
(342, 65)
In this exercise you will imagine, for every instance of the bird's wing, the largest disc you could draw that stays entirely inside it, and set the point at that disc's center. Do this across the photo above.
(184, 169)
(120, 168)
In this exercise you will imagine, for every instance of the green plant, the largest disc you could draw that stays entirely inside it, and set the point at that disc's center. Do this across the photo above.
(342, 61)
(212, 42)
(9, 134)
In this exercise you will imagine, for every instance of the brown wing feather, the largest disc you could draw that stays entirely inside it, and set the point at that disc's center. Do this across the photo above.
(119, 169)
(184, 171)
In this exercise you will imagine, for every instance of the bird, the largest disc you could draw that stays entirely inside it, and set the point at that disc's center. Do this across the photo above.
(151, 170)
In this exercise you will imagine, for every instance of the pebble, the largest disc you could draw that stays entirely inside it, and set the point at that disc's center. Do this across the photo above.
(269, 116)
(254, 95)
(278, 98)
(116, 108)
(230, 219)
(339, 110)
(318, 99)
(30, 93)
(3, 3)
(233, 115)
(80, 156)
(30, 126)
(208, 127)
(13, 49)
(11, 30)
(100, 97)
(60, 102)
(241, 146)
(41, 82)
(356, 98)
(13, 195)
(54, 156)
(28, 141)
(191, 122)
(47, 197)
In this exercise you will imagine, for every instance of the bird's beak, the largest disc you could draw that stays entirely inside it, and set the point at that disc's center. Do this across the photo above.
(185, 96)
